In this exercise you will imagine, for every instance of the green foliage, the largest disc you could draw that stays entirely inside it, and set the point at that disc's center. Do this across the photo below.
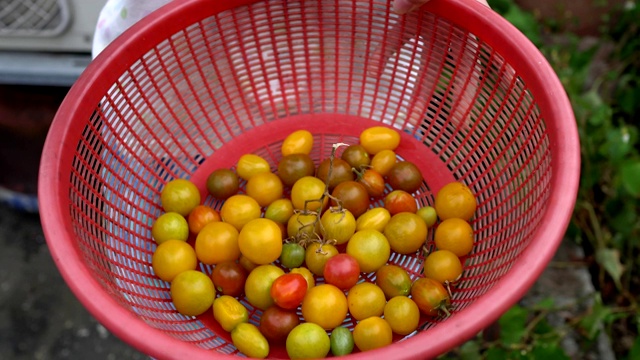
(606, 219)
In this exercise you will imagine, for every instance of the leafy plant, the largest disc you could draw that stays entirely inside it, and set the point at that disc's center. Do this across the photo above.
(606, 220)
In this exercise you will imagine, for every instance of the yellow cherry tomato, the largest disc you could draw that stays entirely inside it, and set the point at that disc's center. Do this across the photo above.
(260, 241)
(325, 305)
(192, 292)
(257, 287)
(239, 210)
(250, 341)
(229, 312)
(376, 219)
(180, 195)
(217, 242)
(372, 333)
(173, 257)
(265, 188)
(378, 138)
(383, 161)
(251, 164)
(298, 142)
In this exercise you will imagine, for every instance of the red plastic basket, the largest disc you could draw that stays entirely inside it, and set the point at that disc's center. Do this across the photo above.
(199, 83)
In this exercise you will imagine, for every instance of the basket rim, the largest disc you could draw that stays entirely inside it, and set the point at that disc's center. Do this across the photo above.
(477, 18)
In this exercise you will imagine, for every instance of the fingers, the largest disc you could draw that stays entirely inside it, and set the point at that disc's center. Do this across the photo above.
(406, 6)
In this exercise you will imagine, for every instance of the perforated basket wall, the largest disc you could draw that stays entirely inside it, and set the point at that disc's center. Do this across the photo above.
(198, 84)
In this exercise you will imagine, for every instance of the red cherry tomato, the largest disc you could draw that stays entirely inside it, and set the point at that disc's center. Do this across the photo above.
(399, 201)
(229, 278)
(342, 271)
(276, 323)
(431, 297)
(373, 182)
(353, 196)
(288, 290)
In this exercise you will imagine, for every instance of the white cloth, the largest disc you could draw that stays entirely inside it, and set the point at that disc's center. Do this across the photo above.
(117, 16)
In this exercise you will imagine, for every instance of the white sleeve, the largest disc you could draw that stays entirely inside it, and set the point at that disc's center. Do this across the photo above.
(117, 16)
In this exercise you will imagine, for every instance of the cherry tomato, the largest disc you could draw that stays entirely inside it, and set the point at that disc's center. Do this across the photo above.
(378, 138)
(260, 240)
(246, 263)
(455, 235)
(229, 278)
(180, 195)
(288, 290)
(353, 197)
(370, 248)
(173, 257)
(443, 266)
(406, 232)
(292, 255)
(239, 209)
(372, 333)
(200, 216)
(192, 292)
(276, 323)
(217, 242)
(376, 219)
(373, 182)
(431, 297)
(265, 188)
(302, 226)
(383, 161)
(308, 341)
(338, 225)
(325, 305)
(356, 156)
(257, 288)
(229, 312)
(279, 211)
(249, 340)
(405, 175)
(307, 192)
(402, 314)
(340, 172)
(428, 214)
(170, 226)
(399, 201)
(341, 341)
(316, 256)
(222, 183)
(365, 299)
(251, 164)
(455, 200)
(308, 275)
(298, 142)
(393, 280)
(294, 167)
(342, 271)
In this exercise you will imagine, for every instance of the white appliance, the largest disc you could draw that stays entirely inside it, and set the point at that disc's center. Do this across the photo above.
(46, 42)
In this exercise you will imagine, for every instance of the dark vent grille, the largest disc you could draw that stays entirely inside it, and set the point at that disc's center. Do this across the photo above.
(33, 17)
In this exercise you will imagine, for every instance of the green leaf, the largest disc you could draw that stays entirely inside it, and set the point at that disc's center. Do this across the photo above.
(620, 143)
(593, 322)
(630, 173)
(609, 259)
(470, 350)
(634, 353)
(496, 353)
(513, 324)
(547, 303)
(548, 351)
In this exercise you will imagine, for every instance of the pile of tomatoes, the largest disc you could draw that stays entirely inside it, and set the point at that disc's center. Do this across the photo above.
(301, 242)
